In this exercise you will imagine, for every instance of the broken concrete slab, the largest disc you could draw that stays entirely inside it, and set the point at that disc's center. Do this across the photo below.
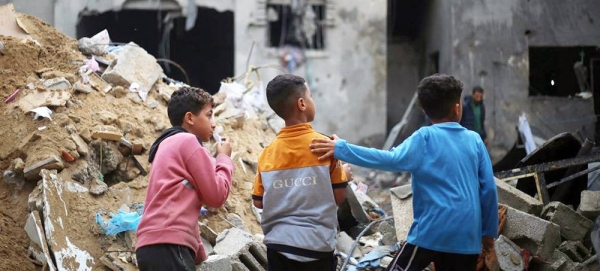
(107, 132)
(402, 209)
(67, 255)
(208, 233)
(237, 221)
(558, 262)
(590, 204)
(83, 88)
(241, 245)
(82, 147)
(32, 171)
(573, 226)
(52, 98)
(133, 65)
(515, 198)
(576, 251)
(98, 187)
(35, 200)
(35, 232)
(509, 254)
(215, 262)
(538, 236)
(59, 83)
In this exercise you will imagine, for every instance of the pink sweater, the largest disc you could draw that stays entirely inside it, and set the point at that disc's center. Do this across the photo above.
(173, 204)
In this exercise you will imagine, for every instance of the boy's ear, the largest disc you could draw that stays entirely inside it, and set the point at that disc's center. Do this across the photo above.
(301, 103)
(188, 118)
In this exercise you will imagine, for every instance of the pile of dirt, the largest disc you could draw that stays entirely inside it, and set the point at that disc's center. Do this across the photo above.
(24, 64)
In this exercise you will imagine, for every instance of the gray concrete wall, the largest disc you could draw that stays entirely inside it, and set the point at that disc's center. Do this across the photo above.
(490, 48)
(405, 61)
(348, 78)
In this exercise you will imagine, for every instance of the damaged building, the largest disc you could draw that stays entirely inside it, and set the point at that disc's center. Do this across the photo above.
(534, 57)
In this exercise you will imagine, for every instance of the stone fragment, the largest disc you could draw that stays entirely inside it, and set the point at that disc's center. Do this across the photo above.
(133, 65)
(35, 232)
(558, 262)
(32, 170)
(573, 226)
(509, 254)
(86, 135)
(215, 262)
(208, 233)
(539, 236)
(106, 117)
(590, 204)
(82, 147)
(99, 84)
(18, 165)
(59, 83)
(515, 198)
(82, 88)
(35, 201)
(120, 92)
(237, 221)
(98, 187)
(402, 209)
(344, 244)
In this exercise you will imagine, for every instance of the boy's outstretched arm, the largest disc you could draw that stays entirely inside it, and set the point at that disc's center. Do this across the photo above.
(404, 157)
(489, 199)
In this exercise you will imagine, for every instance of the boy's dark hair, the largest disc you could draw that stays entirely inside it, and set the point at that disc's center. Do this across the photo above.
(478, 89)
(187, 99)
(283, 91)
(438, 93)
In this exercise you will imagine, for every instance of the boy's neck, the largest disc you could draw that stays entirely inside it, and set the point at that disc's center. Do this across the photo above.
(296, 120)
(444, 120)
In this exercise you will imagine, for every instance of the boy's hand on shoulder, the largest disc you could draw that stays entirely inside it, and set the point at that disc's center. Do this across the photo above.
(324, 145)
(224, 147)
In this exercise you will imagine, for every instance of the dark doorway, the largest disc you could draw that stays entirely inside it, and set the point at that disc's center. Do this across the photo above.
(205, 52)
(552, 72)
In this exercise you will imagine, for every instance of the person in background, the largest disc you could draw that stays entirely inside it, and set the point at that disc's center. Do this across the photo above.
(474, 113)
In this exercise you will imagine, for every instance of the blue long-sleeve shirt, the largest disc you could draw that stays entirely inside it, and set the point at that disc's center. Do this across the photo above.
(455, 200)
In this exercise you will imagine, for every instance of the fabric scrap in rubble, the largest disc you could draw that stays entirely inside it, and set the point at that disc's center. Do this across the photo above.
(373, 259)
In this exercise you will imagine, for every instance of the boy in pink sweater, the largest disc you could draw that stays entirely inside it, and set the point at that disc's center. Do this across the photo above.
(184, 176)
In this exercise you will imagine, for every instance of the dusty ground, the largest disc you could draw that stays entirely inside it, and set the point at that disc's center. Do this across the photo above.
(20, 65)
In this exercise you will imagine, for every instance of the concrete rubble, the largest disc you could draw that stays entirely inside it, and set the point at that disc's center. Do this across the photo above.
(90, 165)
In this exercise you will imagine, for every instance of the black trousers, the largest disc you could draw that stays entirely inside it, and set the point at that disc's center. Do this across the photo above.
(279, 262)
(414, 258)
(165, 257)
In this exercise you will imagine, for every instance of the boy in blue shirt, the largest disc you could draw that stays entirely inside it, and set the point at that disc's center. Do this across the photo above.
(455, 202)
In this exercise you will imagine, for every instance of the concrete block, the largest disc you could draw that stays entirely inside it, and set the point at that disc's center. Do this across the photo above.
(538, 236)
(82, 147)
(215, 262)
(576, 251)
(402, 210)
(558, 262)
(515, 198)
(35, 232)
(133, 65)
(67, 255)
(241, 245)
(509, 254)
(32, 171)
(573, 226)
(590, 204)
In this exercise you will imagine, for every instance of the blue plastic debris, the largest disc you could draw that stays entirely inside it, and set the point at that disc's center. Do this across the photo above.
(119, 222)
(373, 258)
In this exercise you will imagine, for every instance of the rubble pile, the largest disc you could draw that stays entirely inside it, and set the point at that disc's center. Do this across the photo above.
(76, 130)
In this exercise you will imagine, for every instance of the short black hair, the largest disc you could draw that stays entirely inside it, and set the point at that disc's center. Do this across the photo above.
(478, 89)
(438, 93)
(283, 91)
(187, 99)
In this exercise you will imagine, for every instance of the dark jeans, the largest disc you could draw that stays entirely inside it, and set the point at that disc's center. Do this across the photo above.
(165, 257)
(414, 258)
(279, 262)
